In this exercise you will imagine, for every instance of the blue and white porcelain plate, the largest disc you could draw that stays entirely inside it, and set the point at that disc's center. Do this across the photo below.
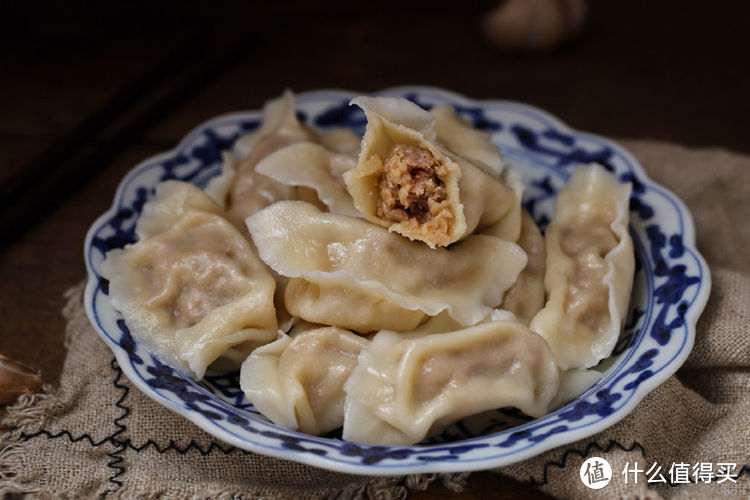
(671, 286)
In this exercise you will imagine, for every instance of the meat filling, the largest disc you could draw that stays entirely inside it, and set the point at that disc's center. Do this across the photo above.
(588, 244)
(412, 190)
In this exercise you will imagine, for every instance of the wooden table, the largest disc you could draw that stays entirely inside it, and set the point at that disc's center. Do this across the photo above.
(87, 92)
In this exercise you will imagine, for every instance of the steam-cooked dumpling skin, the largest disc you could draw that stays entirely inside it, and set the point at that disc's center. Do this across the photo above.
(526, 297)
(458, 136)
(468, 280)
(356, 309)
(297, 380)
(191, 289)
(173, 200)
(244, 191)
(409, 183)
(250, 191)
(340, 140)
(573, 383)
(590, 266)
(406, 387)
(311, 165)
(218, 187)
(462, 138)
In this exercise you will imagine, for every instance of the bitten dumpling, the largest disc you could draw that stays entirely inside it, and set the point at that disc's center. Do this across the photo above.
(467, 280)
(406, 181)
(406, 387)
(191, 289)
(590, 266)
(297, 380)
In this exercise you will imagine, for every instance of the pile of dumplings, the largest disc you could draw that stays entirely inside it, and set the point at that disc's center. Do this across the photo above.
(390, 284)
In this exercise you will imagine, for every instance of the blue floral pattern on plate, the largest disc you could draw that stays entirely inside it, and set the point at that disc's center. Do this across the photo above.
(671, 287)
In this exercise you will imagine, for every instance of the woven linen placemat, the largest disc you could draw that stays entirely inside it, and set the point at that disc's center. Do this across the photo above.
(97, 435)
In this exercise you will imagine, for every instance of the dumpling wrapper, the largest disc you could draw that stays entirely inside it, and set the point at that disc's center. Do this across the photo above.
(526, 297)
(340, 140)
(191, 289)
(408, 387)
(268, 191)
(243, 191)
(468, 280)
(573, 383)
(406, 181)
(313, 166)
(590, 265)
(218, 187)
(251, 191)
(172, 200)
(362, 310)
(297, 381)
(460, 137)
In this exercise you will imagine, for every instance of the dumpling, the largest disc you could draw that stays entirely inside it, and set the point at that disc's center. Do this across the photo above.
(460, 137)
(244, 191)
(526, 297)
(311, 165)
(573, 383)
(405, 181)
(191, 289)
(251, 191)
(406, 387)
(173, 200)
(218, 187)
(340, 140)
(590, 267)
(468, 280)
(297, 380)
(362, 310)
(508, 227)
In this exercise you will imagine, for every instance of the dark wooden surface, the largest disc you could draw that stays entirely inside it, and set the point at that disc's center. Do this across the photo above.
(87, 91)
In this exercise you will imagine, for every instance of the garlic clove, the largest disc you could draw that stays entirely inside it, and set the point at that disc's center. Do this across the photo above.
(533, 25)
(15, 379)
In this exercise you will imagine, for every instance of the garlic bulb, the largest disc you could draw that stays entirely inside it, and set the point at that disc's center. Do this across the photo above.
(15, 379)
(533, 25)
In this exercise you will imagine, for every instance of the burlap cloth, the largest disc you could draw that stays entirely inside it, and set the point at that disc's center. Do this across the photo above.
(96, 434)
